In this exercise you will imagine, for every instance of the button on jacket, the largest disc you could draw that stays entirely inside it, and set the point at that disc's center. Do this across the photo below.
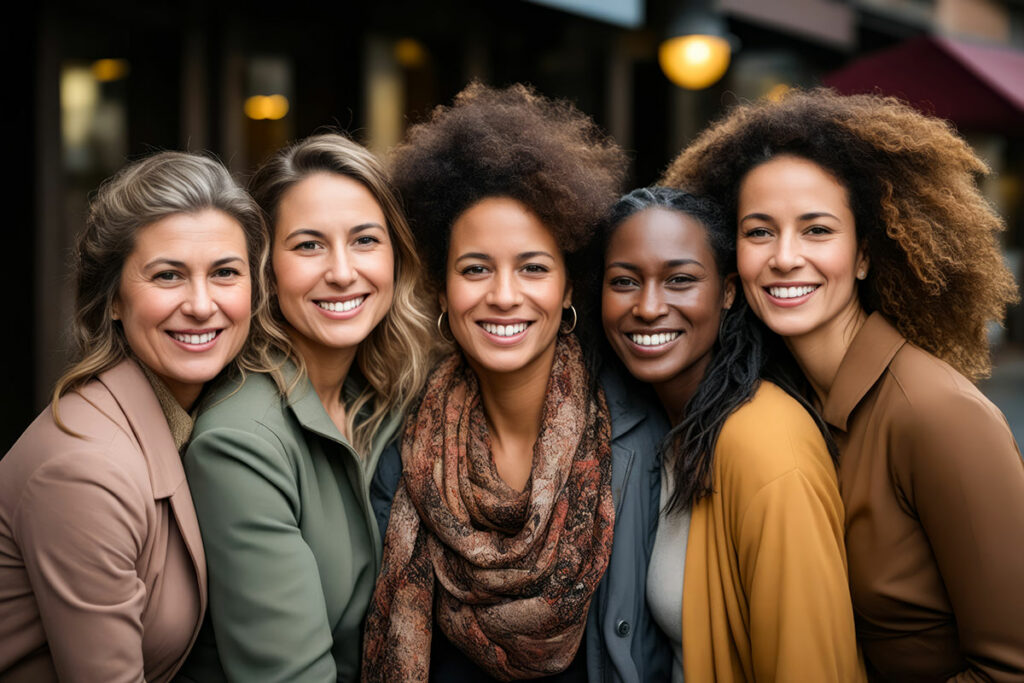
(293, 549)
(933, 486)
(623, 644)
(102, 574)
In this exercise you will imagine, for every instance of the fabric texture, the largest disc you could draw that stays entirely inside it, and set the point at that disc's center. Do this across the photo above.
(292, 548)
(178, 420)
(933, 485)
(623, 643)
(102, 571)
(514, 570)
(765, 594)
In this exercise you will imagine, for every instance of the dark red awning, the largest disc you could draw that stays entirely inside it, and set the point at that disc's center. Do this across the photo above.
(977, 87)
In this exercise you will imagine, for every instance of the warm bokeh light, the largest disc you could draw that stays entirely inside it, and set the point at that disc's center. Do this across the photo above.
(777, 92)
(410, 53)
(106, 70)
(266, 107)
(695, 61)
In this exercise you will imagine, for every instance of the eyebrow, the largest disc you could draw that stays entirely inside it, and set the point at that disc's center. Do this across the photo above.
(181, 264)
(804, 217)
(674, 263)
(519, 257)
(317, 233)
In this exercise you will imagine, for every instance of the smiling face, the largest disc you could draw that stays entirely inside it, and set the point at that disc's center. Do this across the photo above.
(662, 299)
(505, 288)
(797, 251)
(184, 298)
(333, 265)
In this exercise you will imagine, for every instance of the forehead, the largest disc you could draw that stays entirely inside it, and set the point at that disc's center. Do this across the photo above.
(659, 235)
(186, 236)
(500, 225)
(788, 179)
(329, 199)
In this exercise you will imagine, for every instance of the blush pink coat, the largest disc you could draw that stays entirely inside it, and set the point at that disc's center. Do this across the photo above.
(102, 572)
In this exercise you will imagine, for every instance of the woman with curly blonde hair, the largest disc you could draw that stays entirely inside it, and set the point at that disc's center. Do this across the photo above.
(280, 463)
(864, 243)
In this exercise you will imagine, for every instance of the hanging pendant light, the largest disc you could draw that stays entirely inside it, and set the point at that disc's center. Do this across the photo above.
(698, 48)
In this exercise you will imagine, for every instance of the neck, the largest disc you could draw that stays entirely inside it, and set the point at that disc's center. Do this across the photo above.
(675, 394)
(327, 369)
(820, 353)
(513, 403)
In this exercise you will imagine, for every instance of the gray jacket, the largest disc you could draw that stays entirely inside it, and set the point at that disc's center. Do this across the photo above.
(623, 644)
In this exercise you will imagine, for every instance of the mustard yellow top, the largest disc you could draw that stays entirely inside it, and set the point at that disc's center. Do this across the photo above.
(765, 593)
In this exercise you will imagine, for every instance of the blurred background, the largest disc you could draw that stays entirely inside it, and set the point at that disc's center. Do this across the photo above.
(93, 85)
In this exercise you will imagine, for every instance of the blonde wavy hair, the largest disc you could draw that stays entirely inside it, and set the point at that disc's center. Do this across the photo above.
(936, 269)
(140, 194)
(394, 358)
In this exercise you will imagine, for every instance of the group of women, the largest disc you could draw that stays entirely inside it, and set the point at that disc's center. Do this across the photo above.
(473, 416)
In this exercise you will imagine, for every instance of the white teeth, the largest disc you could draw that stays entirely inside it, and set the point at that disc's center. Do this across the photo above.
(791, 292)
(653, 339)
(504, 330)
(340, 306)
(194, 338)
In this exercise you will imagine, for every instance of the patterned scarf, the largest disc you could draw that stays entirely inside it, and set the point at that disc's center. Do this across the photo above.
(508, 575)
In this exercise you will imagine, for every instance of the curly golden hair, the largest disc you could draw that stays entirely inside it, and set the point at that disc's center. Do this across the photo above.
(509, 142)
(936, 268)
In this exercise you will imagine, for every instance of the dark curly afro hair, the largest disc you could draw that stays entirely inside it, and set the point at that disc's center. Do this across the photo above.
(509, 142)
(936, 270)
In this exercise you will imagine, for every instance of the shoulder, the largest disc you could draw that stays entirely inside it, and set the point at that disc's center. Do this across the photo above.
(928, 389)
(101, 432)
(933, 412)
(768, 437)
(246, 404)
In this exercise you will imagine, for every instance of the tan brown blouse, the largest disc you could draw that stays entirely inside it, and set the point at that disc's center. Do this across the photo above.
(933, 485)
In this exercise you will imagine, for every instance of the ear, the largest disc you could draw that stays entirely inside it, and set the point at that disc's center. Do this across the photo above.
(442, 299)
(729, 291)
(567, 299)
(863, 261)
(115, 309)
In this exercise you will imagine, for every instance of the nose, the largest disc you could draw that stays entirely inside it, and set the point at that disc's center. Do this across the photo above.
(504, 292)
(787, 255)
(651, 305)
(340, 270)
(199, 303)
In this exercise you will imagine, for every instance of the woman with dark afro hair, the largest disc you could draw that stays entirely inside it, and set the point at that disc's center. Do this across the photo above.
(518, 463)
(864, 243)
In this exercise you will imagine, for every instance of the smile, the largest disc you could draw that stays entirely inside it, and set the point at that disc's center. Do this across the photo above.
(341, 306)
(791, 292)
(195, 339)
(504, 330)
(656, 339)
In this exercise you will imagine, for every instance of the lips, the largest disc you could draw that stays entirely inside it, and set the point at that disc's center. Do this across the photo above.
(790, 292)
(653, 338)
(504, 330)
(197, 338)
(341, 306)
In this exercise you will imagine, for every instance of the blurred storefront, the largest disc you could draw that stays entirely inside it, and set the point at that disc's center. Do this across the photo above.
(113, 81)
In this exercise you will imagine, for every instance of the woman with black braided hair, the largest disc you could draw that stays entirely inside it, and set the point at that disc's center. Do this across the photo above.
(748, 572)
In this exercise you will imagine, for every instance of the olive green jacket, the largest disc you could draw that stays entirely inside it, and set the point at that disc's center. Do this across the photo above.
(292, 549)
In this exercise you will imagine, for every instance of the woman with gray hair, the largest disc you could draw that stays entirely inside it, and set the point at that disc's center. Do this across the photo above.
(102, 571)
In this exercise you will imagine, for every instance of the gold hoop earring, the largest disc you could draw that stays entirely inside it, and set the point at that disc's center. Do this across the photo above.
(561, 328)
(440, 329)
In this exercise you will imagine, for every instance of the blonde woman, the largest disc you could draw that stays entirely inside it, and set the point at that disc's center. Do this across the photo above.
(280, 465)
(102, 575)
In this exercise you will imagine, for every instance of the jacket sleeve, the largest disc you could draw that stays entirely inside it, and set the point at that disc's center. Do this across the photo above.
(81, 524)
(965, 479)
(792, 564)
(267, 604)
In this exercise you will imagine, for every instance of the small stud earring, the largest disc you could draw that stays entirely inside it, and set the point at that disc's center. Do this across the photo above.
(861, 275)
